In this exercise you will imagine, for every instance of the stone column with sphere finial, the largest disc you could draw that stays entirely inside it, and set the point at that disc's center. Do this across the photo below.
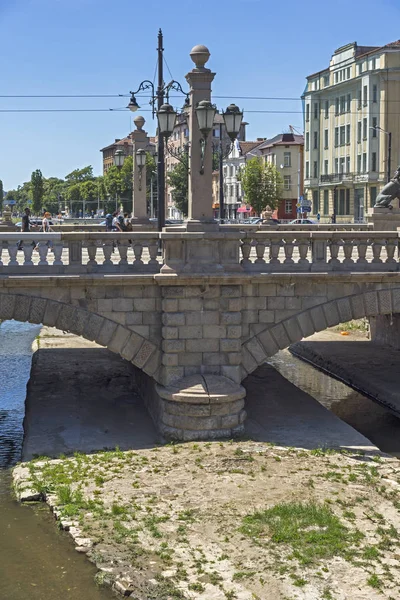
(140, 142)
(200, 184)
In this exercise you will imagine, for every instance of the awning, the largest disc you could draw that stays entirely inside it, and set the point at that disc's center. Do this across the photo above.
(244, 209)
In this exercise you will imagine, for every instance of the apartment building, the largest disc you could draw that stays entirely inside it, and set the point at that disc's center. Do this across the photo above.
(285, 151)
(349, 109)
(125, 144)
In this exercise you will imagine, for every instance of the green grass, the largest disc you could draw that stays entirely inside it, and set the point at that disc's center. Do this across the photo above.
(374, 581)
(312, 531)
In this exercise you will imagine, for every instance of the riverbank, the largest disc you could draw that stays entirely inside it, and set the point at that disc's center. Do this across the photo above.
(224, 520)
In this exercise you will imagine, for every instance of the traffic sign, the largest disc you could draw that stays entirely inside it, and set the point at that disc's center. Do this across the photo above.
(305, 208)
(301, 198)
(11, 202)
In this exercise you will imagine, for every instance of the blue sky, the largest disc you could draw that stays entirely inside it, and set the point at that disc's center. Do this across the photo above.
(258, 48)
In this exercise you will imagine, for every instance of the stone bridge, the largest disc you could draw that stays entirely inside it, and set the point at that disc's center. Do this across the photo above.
(196, 320)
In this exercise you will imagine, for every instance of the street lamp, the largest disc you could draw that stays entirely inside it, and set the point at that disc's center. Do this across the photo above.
(166, 120)
(141, 163)
(233, 117)
(205, 113)
(119, 158)
(389, 155)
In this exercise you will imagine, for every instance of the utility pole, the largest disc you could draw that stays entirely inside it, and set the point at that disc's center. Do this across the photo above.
(221, 177)
(160, 143)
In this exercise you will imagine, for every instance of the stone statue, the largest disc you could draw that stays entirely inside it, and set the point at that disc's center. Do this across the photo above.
(390, 191)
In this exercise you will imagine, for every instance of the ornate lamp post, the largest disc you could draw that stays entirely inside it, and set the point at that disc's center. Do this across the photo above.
(119, 158)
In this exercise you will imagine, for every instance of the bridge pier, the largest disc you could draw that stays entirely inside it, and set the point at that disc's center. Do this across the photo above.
(385, 329)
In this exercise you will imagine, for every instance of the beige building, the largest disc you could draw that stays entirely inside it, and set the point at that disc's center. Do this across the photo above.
(124, 144)
(349, 109)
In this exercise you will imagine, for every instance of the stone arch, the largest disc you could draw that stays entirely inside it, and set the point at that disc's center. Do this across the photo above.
(293, 329)
(130, 345)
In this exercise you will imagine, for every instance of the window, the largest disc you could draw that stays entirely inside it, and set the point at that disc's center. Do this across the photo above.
(359, 69)
(347, 164)
(215, 132)
(364, 162)
(326, 202)
(359, 102)
(359, 127)
(287, 161)
(342, 135)
(358, 163)
(315, 202)
(326, 170)
(374, 93)
(326, 109)
(307, 141)
(365, 95)
(336, 77)
(336, 136)
(315, 140)
(374, 126)
(336, 106)
(347, 202)
(347, 134)
(326, 80)
(288, 207)
(326, 138)
(315, 169)
(342, 104)
(287, 182)
(342, 202)
(342, 162)
(316, 108)
(348, 72)
(364, 129)
(348, 102)
(307, 112)
(336, 166)
(373, 161)
(373, 64)
(307, 170)
(186, 132)
(372, 196)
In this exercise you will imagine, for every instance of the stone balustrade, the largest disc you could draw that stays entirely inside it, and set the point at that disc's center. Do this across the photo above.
(230, 251)
(79, 252)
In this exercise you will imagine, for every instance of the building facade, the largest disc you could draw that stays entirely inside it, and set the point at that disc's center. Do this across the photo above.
(124, 144)
(285, 151)
(349, 109)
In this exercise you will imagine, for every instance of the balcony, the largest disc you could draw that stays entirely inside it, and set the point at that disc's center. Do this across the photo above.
(337, 178)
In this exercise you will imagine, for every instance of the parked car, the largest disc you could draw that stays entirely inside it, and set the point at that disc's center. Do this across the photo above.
(302, 222)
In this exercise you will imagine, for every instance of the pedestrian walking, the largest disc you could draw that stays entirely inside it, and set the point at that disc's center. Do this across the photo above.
(26, 226)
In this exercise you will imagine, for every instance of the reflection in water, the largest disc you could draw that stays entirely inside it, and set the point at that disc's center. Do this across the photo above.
(37, 561)
(369, 418)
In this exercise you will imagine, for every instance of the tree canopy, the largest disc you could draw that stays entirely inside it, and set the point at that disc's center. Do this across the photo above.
(262, 184)
(37, 190)
(178, 179)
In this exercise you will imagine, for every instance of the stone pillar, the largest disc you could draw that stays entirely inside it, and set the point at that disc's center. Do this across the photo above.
(385, 219)
(385, 330)
(200, 185)
(140, 142)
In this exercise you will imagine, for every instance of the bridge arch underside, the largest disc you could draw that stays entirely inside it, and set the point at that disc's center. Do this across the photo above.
(53, 313)
(369, 303)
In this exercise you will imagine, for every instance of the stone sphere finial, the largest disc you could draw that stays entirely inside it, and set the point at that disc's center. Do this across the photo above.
(139, 122)
(200, 55)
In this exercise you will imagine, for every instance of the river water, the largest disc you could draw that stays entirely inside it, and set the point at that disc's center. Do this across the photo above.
(37, 560)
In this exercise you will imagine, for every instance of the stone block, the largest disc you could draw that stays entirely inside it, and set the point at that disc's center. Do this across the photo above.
(194, 291)
(190, 304)
(234, 332)
(210, 317)
(293, 329)
(173, 319)
(119, 339)
(357, 306)
(170, 305)
(134, 318)
(122, 304)
(344, 309)
(190, 410)
(191, 423)
(248, 361)
(133, 291)
(250, 289)
(93, 327)
(144, 304)
(266, 316)
(229, 421)
(310, 302)
(151, 318)
(65, 318)
(95, 291)
(256, 349)
(105, 305)
(234, 358)
(22, 308)
(306, 324)
(285, 289)
(191, 371)
(202, 345)
(153, 365)
(142, 330)
(229, 345)
(169, 333)
(214, 331)
(118, 317)
(190, 359)
(170, 375)
(256, 303)
(173, 345)
(268, 342)
(396, 300)
(131, 347)
(190, 332)
(280, 336)
(51, 313)
(107, 331)
(232, 372)
(231, 291)
(275, 303)
(143, 354)
(385, 302)
(293, 303)
(256, 328)
(371, 304)
(214, 358)
(231, 318)
(331, 313)
(170, 360)
(193, 318)
(235, 304)
(267, 289)
(173, 292)
(37, 309)
(318, 318)
(114, 291)
(211, 304)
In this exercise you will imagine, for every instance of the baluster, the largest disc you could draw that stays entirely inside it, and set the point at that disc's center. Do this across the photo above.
(108, 248)
(43, 250)
(1, 252)
(92, 251)
(348, 252)
(153, 251)
(303, 246)
(376, 250)
(123, 252)
(274, 250)
(138, 251)
(334, 251)
(12, 253)
(57, 250)
(245, 247)
(361, 246)
(260, 251)
(28, 250)
(391, 246)
(288, 247)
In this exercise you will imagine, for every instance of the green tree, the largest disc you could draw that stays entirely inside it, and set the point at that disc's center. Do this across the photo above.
(178, 179)
(54, 194)
(37, 190)
(262, 184)
(80, 175)
(1, 195)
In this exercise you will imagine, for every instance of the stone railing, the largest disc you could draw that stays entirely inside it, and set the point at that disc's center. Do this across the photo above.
(79, 252)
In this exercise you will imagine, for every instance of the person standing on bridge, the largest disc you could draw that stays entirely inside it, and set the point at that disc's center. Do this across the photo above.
(26, 226)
